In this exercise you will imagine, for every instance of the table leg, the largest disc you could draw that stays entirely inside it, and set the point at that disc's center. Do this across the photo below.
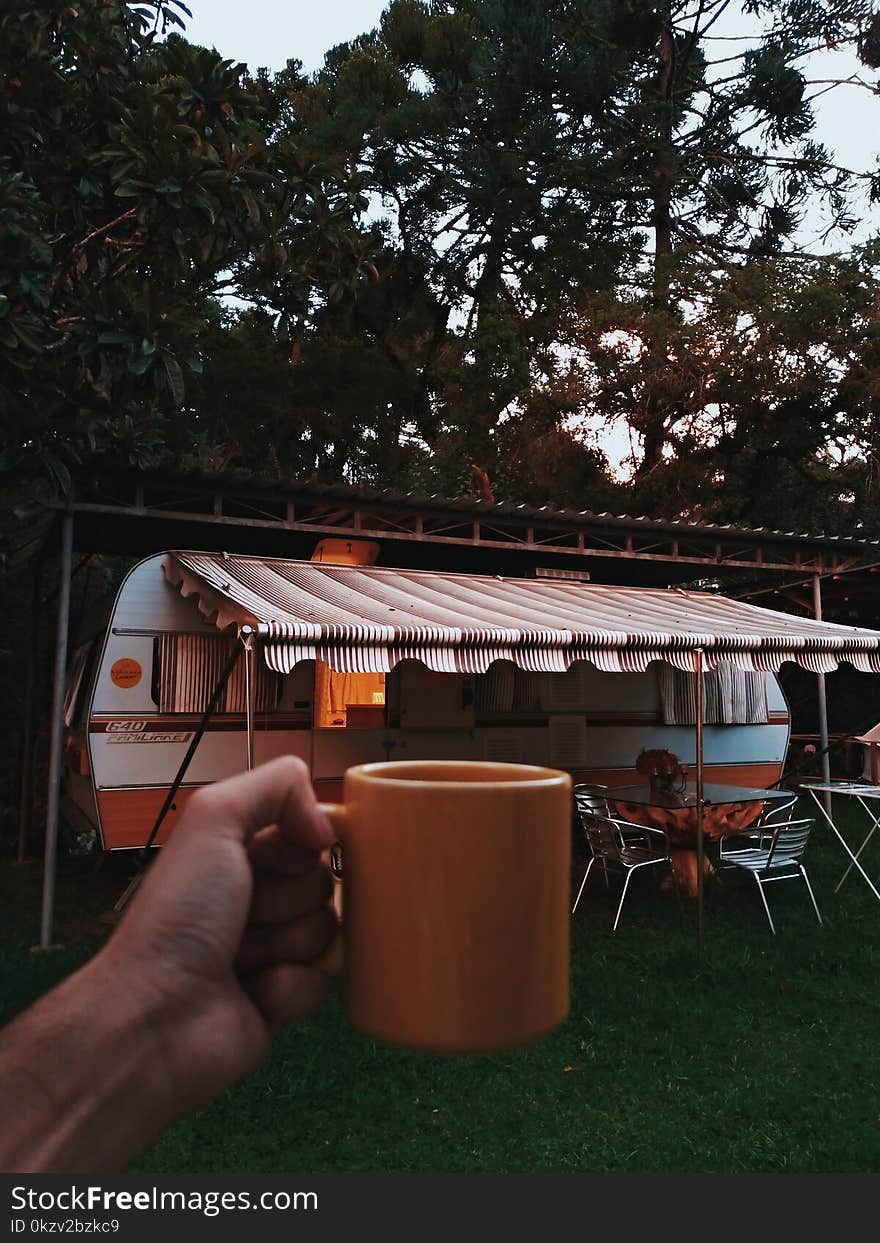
(855, 863)
(875, 821)
(684, 865)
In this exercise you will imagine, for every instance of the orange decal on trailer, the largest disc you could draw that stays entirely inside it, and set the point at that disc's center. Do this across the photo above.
(125, 673)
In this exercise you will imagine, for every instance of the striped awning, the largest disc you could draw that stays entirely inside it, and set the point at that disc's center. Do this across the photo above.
(365, 618)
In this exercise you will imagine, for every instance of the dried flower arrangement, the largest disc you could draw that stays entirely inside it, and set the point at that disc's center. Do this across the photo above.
(662, 768)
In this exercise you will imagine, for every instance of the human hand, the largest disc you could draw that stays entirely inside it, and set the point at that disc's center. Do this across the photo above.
(216, 944)
(212, 955)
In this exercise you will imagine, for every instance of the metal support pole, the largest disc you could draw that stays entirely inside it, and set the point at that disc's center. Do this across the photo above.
(53, 801)
(698, 695)
(26, 790)
(822, 703)
(249, 692)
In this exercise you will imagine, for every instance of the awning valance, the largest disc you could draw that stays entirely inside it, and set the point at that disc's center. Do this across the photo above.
(368, 619)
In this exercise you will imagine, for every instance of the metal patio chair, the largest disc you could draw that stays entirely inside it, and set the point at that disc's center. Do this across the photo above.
(621, 846)
(778, 858)
(591, 798)
(757, 836)
(774, 813)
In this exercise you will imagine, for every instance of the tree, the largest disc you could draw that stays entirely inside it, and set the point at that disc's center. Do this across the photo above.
(779, 363)
(475, 130)
(722, 163)
(477, 225)
(137, 176)
(570, 197)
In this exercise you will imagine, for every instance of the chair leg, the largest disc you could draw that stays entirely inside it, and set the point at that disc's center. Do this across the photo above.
(766, 907)
(810, 891)
(583, 884)
(622, 896)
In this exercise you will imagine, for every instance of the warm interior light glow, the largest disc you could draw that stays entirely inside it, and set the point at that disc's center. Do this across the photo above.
(335, 693)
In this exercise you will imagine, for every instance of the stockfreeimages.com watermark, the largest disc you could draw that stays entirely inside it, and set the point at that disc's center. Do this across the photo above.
(98, 1199)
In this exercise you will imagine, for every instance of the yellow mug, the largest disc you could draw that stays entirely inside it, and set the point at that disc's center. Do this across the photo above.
(455, 902)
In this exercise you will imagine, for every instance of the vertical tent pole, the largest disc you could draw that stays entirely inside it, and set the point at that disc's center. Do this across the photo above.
(249, 691)
(53, 799)
(698, 672)
(25, 806)
(822, 703)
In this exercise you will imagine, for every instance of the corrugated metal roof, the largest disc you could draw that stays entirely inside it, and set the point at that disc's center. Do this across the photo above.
(370, 618)
(364, 493)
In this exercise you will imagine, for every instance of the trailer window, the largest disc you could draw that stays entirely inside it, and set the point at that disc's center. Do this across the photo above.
(348, 700)
(732, 696)
(187, 668)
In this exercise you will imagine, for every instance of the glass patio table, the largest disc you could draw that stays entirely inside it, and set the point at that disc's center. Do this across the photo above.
(726, 809)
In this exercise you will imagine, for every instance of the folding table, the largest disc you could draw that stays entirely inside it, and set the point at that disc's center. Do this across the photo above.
(863, 793)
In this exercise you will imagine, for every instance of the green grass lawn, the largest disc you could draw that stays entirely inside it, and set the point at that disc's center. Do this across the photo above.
(763, 1055)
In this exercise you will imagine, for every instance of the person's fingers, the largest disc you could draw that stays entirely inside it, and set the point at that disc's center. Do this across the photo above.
(299, 941)
(271, 851)
(286, 993)
(189, 915)
(280, 899)
(277, 793)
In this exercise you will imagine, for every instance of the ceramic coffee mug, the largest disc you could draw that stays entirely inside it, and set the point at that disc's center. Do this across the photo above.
(455, 897)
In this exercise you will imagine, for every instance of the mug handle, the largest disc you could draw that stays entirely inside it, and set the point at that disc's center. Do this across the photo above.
(330, 960)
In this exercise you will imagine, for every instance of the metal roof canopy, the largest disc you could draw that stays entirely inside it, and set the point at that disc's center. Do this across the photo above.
(145, 513)
(359, 618)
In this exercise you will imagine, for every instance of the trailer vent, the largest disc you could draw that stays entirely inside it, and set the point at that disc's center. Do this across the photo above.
(568, 742)
(565, 691)
(576, 576)
(503, 748)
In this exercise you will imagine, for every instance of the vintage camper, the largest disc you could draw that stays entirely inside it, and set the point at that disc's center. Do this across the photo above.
(345, 661)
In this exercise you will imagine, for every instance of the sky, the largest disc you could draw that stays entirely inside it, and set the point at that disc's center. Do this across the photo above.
(268, 33)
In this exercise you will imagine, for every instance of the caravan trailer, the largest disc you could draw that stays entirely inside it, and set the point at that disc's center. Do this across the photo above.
(336, 694)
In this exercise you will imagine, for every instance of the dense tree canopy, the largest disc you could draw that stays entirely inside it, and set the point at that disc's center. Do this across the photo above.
(725, 164)
(479, 233)
(137, 174)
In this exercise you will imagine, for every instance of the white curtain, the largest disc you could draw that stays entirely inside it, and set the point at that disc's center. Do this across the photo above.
(506, 688)
(191, 665)
(731, 696)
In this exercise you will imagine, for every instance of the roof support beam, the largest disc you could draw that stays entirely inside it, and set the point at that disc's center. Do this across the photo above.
(560, 541)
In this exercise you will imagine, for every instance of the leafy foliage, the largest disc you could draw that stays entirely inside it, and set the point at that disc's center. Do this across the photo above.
(573, 210)
(137, 175)
(479, 233)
